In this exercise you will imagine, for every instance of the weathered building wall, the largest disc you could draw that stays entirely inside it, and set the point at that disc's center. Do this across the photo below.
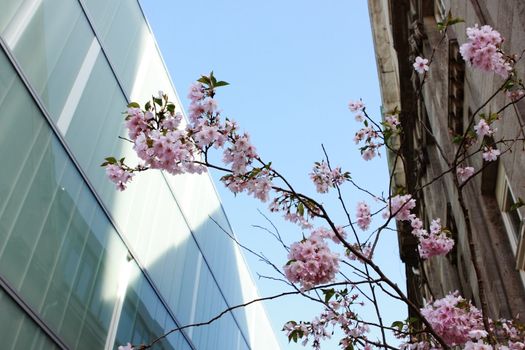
(451, 94)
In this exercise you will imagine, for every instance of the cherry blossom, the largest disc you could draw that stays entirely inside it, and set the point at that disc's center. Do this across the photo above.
(421, 65)
(400, 207)
(356, 106)
(516, 94)
(483, 128)
(126, 347)
(324, 178)
(464, 173)
(483, 50)
(337, 313)
(490, 154)
(433, 243)
(311, 262)
(453, 318)
(118, 175)
(392, 122)
(363, 216)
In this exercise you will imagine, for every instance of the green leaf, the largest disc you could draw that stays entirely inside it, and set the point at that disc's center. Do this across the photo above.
(411, 320)
(221, 83)
(455, 20)
(398, 325)
(366, 123)
(457, 139)
(170, 107)
(328, 294)
(204, 79)
(300, 209)
(517, 205)
(147, 105)
(157, 101)
(111, 160)
(133, 105)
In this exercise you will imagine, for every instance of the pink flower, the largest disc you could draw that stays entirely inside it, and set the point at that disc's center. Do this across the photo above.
(196, 92)
(479, 345)
(490, 154)
(434, 245)
(369, 153)
(311, 262)
(356, 106)
(421, 65)
(363, 216)
(453, 318)
(464, 173)
(392, 122)
(483, 129)
(118, 175)
(515, 95)
(400, 207)
(127, 347)
(324, 178)
(482, 50)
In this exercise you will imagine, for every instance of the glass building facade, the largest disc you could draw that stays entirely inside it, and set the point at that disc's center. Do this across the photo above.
(83, 266)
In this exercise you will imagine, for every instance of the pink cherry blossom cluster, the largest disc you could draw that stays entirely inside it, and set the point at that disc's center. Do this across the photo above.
(294, 209)
(118, 175)
(363, 216)
(516, 94)
(370, 149)
(357, 107)
(311, 262)
(464, 173)
(455, 319)
(400, 207)
(484, 129)
(327, 233)
(258, 186)
(337, 314)
(460, 324)
(157, 139)
(392, 122)
(162, 142)
(324, 178)
(367, 134)
(483, 50)
(433, 243)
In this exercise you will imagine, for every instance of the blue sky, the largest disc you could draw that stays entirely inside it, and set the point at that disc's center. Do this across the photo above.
(293, 66)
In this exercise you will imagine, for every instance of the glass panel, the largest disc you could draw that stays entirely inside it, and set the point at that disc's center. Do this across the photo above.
(124, 34)
(144, 317)
(9, 10)
(64, 260)
(17, 330)
(512, 213)
(58, 34)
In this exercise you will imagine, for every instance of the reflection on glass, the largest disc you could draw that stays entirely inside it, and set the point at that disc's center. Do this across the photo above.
(144, 318)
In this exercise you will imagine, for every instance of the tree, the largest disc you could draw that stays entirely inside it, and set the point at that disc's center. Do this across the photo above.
(320, 265)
